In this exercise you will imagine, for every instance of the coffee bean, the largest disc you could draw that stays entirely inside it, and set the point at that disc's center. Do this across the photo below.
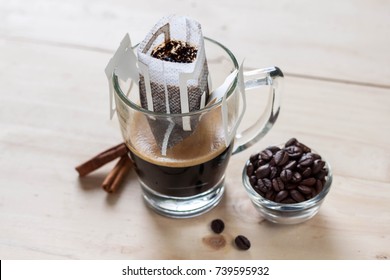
(254, 157)
(319, 186)
(274, 172)
(263, 171)
(300, 168)
(308, 182)
(260, 162)
(306, 160)
(249, 169)
(293, 151)
(242, 242)
(308, 196)
(314, 155)
(267, 182)
(266, 155)
(272, 162)
(286, 175)
(270, 195)
(306, 172)
(318, 165)
(217, 226)
(290, 142)
(281, 158)
(304, 189)
(290, 186)
(288, 200)
(297, 196)
(256, 188)
(304, 148)
(253, 180)
(273, 149)
(296, 177)
(290, 165)
(281, 195)
(322, 174)
(264, 185)
(277, 184)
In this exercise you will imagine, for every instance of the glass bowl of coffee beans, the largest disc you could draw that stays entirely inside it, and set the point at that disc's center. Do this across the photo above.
(287, 183)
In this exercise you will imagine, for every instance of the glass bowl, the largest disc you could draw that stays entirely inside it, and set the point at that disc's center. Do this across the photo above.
(282, 213)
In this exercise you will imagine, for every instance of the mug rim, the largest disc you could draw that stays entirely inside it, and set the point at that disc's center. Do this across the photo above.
(127, 101)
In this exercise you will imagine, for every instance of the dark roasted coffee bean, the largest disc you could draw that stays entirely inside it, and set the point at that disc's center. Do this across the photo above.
(266, 155)
(319, 186)
(290, 186)
(308, 182)
(300, 168)
(290, 165)
(253, 180)
(242, 242)
(274, 172)
(264, 185)
(304, 148)
(293, 151)
(306, 172)
(281, 195)
(256, 188)
(277, 184)
(290, 142)
(270, 195)
(260, 162)
(272, 162)
(304, 189)
(297, 196)
(296, 177)
(263, 171)
(249, 169)
(314, 155)
(318, 165)
(286, 175)
(308, 196)
(281, 158)
(254, 157)
(306, 160)
(322, 174)
(267, 182)
(217, 226)
(273, 149)
(288, 200)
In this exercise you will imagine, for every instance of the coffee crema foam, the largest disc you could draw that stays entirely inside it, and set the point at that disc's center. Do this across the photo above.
(205, 143)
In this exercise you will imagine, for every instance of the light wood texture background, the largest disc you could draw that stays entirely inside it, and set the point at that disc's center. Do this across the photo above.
(54, 115)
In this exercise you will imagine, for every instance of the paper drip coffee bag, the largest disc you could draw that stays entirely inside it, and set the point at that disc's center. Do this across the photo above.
(173, 87)
(169, 86)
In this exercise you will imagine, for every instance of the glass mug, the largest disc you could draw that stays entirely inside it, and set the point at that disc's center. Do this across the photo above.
(182, 172)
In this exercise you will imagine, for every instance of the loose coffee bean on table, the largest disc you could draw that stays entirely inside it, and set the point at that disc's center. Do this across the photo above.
(242, 242)
(217, 226)
(289, 174)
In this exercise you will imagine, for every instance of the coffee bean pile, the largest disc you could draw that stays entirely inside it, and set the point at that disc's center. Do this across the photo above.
(289, 174)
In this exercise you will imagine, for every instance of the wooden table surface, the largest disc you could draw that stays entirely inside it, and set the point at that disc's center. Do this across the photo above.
(54, 115)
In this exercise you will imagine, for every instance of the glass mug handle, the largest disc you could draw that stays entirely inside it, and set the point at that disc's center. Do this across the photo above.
(273, 77)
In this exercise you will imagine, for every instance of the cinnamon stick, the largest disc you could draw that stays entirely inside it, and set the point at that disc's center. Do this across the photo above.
(116, 175)
(101, 159)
